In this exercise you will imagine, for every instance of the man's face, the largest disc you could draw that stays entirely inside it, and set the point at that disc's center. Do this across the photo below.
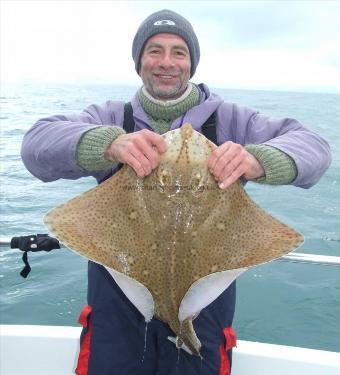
(165, 66)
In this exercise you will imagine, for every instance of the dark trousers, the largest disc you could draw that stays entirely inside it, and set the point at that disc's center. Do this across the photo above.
(116, 339)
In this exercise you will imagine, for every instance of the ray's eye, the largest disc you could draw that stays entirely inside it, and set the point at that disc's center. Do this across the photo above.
(197, 185)
(199, 191)
(164, 181)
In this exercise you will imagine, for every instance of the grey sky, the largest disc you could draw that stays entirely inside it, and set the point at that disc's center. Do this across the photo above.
(283, 45)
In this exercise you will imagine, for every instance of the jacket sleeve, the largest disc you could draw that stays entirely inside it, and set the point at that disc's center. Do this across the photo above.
(49, 147)
(310, 152)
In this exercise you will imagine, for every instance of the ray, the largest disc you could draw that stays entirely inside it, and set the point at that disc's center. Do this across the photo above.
(173, 241)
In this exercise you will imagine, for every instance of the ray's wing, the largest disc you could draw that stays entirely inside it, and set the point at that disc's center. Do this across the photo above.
(108, 224)
(241, 234)
(238, 235)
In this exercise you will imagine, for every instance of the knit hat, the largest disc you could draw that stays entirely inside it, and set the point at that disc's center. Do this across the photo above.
(166, 21)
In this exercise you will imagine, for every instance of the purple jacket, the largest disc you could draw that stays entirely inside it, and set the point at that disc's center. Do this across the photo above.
(49, 147)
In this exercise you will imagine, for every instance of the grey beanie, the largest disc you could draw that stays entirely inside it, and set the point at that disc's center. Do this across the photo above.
(166, 21)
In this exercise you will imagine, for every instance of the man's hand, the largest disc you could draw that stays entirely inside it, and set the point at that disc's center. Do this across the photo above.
(230, 161)
(141, 150)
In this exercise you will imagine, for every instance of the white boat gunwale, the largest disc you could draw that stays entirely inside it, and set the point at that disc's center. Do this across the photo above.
(54, 350)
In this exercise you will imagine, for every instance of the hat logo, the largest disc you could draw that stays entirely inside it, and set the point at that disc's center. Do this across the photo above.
(164, 22)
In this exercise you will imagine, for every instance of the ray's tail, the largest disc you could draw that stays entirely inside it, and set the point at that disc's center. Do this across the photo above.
(186, 337)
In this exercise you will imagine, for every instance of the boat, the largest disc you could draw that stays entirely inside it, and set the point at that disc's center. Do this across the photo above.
(53, 350)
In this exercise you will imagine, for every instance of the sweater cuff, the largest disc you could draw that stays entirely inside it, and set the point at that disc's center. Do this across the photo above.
(279, 168)
(92, 146)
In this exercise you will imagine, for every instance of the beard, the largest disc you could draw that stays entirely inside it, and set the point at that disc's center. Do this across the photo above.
(167, 93)
(162, 90)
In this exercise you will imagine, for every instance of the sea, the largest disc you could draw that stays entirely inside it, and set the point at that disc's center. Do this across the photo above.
(280, 302)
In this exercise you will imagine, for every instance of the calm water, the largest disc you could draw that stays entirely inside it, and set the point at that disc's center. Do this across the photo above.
(286, 303)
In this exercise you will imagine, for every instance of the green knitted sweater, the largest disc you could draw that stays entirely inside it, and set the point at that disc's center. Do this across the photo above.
(279, 168)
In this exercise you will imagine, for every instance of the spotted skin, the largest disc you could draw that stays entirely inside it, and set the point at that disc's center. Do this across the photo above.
(171, 228)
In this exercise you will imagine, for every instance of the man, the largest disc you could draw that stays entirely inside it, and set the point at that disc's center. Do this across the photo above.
(251, 146)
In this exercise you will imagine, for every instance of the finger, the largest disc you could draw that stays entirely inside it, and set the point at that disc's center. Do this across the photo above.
(229, 168)
(231, 179)
(216, 154)
(228, 158)
(153, 157)
(144, 162)
(135, 165)
(155, 140)
(148, 151)
(136, 159)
